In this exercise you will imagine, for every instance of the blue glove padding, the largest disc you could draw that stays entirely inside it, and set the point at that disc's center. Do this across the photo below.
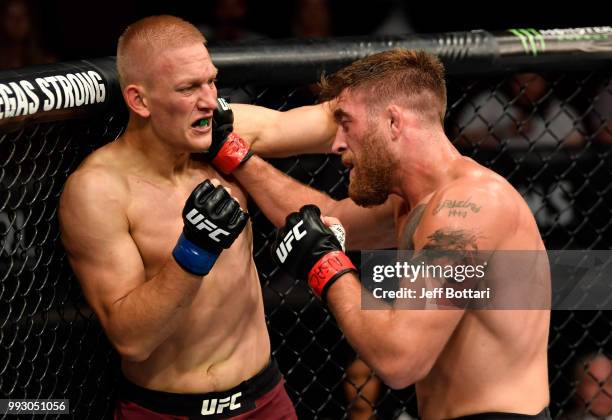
(192, 258)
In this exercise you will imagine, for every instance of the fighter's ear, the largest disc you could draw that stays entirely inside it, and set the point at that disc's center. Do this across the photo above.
(395, 119)
(136, 100)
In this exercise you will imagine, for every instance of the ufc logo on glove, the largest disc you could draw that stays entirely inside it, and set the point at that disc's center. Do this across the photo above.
(200, 222)
(285, 247)
(319, 256)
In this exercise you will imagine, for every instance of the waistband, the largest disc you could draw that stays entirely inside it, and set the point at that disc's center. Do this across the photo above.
(542, 415)
(234, 401)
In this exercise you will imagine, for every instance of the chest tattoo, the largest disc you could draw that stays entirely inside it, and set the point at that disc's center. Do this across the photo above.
(406, 241)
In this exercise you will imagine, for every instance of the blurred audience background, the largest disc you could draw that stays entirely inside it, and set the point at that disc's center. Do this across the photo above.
(41, 31)
(20, 42)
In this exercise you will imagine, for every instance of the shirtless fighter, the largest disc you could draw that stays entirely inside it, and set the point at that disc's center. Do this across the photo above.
(389, 109)
(162, 247)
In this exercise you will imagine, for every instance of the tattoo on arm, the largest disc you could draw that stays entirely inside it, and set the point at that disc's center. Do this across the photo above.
(452, 246)
(452, 240)
(457, 208)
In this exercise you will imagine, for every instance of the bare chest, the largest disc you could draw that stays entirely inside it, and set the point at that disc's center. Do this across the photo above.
(155, 218)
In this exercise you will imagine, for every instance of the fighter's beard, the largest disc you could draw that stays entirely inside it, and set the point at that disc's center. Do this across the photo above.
(372, 178)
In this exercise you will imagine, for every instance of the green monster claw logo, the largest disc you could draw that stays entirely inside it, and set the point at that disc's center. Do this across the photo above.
(532, 40)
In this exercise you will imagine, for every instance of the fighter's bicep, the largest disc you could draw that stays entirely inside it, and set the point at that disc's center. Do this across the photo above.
(429, 329)
(100, 249)
(107, 271)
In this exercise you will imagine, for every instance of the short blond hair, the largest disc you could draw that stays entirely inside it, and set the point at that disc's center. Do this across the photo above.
(144, 39)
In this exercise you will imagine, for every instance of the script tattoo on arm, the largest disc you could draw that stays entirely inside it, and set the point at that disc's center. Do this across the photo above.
(457, 208)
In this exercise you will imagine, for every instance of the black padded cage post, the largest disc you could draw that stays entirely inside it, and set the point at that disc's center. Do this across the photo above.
(534, 105)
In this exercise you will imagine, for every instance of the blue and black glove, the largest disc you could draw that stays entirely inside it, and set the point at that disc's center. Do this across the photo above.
(212, 221)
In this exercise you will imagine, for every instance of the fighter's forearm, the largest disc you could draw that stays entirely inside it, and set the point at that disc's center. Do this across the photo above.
(367, 334)
(143, 319)
(276, 193)
(307, 129)
(376, 335)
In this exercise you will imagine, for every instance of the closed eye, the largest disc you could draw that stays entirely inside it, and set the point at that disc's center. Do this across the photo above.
(342, 119)
(185, 89)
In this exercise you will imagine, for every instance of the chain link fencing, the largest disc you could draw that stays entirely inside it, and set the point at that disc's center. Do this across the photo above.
(548, 134)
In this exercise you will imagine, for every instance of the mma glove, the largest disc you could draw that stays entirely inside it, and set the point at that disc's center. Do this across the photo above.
(228, 150)
(212, 221)
(306, 248)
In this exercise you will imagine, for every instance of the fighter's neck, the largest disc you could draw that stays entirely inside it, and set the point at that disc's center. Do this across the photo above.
(153, 157)
(421, 174)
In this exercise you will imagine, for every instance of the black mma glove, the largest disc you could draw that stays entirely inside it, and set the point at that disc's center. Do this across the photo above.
(306, 248)
(212, 221)
(228, 150)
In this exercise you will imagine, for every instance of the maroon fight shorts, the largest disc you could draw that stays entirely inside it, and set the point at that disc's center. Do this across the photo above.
(261, 397)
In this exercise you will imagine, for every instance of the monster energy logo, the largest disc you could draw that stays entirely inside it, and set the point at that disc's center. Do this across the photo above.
(531, 39)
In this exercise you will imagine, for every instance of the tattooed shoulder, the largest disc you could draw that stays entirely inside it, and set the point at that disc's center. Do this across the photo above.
(453, 240)
(457, 208)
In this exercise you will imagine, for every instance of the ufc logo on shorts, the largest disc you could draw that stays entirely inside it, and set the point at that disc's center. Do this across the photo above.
(200, 222)
(217, 405)
(285, 247)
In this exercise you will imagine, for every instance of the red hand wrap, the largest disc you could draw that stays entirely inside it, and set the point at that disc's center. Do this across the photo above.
(328, 267)
(231, 154)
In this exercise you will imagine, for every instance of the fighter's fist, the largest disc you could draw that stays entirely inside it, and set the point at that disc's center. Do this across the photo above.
(212, 221)
(306, 248)
(227, 150)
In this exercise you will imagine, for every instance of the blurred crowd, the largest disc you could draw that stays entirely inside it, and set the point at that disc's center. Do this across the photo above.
(39, 31)
(20, 39)
(528, 108)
